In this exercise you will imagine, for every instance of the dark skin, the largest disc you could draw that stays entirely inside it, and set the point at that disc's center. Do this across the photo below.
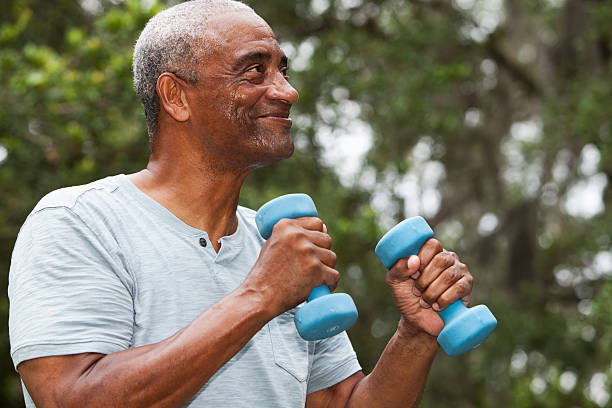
(211, 135)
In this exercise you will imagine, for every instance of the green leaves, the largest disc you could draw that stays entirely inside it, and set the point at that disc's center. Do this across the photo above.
(441, 87)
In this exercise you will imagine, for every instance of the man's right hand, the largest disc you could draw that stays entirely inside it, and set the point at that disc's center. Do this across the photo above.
(296, 258)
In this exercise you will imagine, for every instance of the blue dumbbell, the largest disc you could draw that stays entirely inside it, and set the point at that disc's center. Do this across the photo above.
(325, 314)
(464, 329)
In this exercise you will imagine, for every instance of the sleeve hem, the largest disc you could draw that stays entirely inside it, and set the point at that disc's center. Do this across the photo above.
(32, 351)
(338, 374)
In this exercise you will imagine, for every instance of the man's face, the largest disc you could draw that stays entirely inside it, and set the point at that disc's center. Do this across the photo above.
(243, 97)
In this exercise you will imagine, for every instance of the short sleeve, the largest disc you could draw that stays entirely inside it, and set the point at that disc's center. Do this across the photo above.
(68, 292)
(334, 361)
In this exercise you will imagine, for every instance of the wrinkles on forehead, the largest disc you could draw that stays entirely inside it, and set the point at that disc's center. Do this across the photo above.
(228, 31)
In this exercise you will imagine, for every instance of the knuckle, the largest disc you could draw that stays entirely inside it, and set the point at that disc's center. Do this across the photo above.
(327, 241)
(443, 260)
(451, 275)
(282, 224)
(464, 286)
(435, 245)
(334, 257)
(303, 248)
(318, 224)
(312, 265)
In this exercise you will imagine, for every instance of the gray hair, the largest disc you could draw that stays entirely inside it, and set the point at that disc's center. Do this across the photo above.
(172, 41)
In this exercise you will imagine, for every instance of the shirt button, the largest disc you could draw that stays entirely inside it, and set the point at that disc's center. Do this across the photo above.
(203, 242)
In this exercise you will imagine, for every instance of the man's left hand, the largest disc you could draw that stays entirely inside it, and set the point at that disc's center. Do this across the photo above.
(425, 284)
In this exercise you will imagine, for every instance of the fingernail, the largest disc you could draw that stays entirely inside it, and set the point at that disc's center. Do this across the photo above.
(424, 304)
(416, 275)
(436, 307)
(416, 291)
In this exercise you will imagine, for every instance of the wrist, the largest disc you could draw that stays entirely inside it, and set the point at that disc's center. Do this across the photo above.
(260, 304)
(408, 332)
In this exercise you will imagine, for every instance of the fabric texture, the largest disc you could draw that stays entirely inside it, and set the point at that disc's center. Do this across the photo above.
(103, 268)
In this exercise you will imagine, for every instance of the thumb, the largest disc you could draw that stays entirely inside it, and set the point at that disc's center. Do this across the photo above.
(405, 269)
(414, 264)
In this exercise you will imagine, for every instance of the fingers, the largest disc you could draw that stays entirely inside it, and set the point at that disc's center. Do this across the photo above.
(309, 236)
(453, 283)
(433, 268)
(460, 290)
(320, 239)
(331, 278)
(310, 223)
(327, 257)
(443, 277)
(311, 228)
(430, 248)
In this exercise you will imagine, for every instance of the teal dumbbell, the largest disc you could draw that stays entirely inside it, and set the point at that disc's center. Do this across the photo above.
(325, 314)
(464, 329)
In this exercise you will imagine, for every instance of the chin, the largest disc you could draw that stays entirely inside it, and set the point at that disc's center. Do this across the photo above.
(275, 155)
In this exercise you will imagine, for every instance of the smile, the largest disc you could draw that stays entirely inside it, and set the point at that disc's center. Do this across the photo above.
(280, 119)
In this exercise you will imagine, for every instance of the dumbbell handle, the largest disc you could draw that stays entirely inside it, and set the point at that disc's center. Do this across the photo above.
(295, 208)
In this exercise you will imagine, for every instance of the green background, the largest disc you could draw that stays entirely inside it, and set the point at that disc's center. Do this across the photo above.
(493, 119)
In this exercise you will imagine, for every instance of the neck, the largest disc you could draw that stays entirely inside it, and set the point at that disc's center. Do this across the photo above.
(196, 191)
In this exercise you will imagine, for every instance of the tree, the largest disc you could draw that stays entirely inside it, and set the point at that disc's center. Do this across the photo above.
(492, 119)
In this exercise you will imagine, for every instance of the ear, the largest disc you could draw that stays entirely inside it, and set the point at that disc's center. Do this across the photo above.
(172, 96)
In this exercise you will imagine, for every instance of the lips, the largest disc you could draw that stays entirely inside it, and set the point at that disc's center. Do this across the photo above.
(283, 114)
(278, 117)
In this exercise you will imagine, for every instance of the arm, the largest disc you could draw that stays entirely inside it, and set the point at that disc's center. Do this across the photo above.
(170, 372)
(167, 373)
(435, 277)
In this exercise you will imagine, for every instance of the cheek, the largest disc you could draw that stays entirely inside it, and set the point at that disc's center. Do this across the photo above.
(236, 108)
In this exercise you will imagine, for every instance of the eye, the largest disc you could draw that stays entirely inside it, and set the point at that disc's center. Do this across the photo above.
(256, 68)
(285, 72)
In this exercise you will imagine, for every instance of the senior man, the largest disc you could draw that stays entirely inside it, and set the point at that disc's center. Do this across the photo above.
(155, 288)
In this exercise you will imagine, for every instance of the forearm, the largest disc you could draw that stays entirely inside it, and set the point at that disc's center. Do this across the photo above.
(399, 377)
(169, 373)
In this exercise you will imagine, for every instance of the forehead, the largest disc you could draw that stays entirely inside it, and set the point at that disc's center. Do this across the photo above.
(238, 31)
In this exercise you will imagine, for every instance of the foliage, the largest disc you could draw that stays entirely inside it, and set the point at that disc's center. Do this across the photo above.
(489, 121)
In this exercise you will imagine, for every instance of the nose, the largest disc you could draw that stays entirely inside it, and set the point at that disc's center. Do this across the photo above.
(281, 89)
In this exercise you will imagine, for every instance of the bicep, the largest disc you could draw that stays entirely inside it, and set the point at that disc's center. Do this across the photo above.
(50, 379)
(335, 396)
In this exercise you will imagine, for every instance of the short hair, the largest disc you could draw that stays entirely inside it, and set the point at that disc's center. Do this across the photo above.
(173, 41)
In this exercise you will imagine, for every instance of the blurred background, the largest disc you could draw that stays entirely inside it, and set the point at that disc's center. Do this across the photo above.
(491, 118)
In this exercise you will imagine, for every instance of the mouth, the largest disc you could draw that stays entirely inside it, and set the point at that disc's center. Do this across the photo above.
(280, 117)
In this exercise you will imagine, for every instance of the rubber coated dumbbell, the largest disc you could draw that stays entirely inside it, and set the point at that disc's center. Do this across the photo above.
(325, 314)
(464, 329)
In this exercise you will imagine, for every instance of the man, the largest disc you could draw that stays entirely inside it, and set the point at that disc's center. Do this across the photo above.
(155, 289)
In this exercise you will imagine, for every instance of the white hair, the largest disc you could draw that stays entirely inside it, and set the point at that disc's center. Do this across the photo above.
(173, 41)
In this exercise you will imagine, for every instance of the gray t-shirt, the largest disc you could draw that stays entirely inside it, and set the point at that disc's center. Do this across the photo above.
(102, 268)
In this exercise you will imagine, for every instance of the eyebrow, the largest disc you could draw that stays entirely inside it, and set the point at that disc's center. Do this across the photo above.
(255, 56)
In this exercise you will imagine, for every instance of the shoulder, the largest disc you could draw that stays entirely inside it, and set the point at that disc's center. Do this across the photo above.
(74, 209)
(68, 197)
